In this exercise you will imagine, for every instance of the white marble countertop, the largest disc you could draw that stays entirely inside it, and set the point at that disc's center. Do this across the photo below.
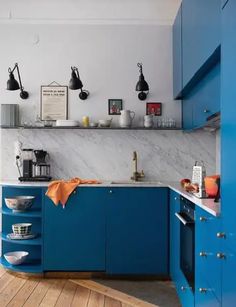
(207, 204)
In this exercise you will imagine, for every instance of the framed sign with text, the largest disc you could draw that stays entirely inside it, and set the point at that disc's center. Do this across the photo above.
(54, 102)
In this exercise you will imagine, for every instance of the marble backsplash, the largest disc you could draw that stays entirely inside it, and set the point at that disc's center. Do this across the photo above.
(107, 155)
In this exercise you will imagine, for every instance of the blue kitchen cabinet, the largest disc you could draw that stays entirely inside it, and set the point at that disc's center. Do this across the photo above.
(74, 237)
(174, 236)
(228, 144)
(203, 101)
(200, 36)
(177, 54)
(207, 247)
(204, 296)
(137, 231)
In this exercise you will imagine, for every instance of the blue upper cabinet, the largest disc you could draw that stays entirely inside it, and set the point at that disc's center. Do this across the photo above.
(200, 37)
(137, 231)
(177, 55)
(74, 237)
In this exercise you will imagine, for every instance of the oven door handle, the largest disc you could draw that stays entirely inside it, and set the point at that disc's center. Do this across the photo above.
(182, 220)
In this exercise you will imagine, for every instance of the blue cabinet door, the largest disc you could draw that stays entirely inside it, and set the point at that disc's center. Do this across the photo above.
(177, 54)
(207, 246)
(174, 236)
(74, 237)
(228, 144)
(229, 279)
(137, 231)
(204, 296)
(200, 34)
(228, 130)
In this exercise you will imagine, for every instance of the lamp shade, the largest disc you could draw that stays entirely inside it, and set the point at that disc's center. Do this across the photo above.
(75, 82)
(12, 84)
(142, 84)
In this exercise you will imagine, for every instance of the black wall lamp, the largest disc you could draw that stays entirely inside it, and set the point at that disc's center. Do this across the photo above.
(13, 85)
(76, 84)
(142, 85)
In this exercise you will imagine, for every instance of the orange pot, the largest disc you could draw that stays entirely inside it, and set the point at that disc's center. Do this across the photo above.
(211, 185)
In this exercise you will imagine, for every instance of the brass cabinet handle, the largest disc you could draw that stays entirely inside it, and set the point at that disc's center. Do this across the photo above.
(220, 255)
(184, 288)
(110, 191)
(202, 219)
(220, 235)
(206, 111)
(203, 290)
(203, 254)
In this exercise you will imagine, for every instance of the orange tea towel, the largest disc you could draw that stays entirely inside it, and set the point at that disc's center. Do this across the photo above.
(60, 190)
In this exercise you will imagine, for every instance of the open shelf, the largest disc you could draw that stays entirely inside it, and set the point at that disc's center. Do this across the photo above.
(90, 128)
(35, 213)
(33, 266)
(35, 241)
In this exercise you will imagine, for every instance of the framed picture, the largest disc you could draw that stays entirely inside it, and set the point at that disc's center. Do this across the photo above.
(54, 102)
(114, 106)
(154, 108)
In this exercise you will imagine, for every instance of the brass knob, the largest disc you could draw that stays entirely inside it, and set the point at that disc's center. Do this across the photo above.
(206, 111)
(184, 288)
(220, 235)
(175, 197)
(202, 290)
(202, 219)
(203, 254)
(220, 256)
(110, 191)
(74, 192)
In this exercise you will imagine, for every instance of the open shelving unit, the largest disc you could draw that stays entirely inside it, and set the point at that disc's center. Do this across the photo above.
(34, 246)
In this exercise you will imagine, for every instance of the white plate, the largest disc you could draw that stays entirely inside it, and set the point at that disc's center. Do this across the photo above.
(12, 236)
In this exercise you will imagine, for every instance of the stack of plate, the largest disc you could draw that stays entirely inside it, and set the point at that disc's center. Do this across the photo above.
(67, 123)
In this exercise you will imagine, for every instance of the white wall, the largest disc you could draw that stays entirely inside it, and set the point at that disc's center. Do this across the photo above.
(107, 58)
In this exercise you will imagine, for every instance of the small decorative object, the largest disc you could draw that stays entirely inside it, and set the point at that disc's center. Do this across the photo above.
(19, 203)
(85, 121)
(76, 84)
(22, 228)
(54, 102)
(93, 125)
(148, 121)
(16, 258)
(142, 85)
(13, 85)
(154, 108)
(126, 118)
(114, 106)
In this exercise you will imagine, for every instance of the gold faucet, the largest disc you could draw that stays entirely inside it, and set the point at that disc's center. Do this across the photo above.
(136, 175)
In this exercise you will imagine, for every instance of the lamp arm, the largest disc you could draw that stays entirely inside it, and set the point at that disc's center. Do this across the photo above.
(140, 66)
(18, 72)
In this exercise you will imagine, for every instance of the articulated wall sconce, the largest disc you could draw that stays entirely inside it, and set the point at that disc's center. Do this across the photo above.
(76, 84)
(142, 85)
(13, 85)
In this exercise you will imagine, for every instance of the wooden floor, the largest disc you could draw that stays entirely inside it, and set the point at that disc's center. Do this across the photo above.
(32, 292)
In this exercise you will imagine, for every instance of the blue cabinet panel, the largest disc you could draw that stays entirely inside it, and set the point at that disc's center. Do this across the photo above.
(184, 292)
(137, 231)
(207, 245)
(204, 295)
(203, 100)
(174, 236)
(229, 279)
(200, 34)
(228, 131)
(74, 237)
(177, 54)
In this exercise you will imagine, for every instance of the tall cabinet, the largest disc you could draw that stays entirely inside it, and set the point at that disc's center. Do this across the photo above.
(228, 153)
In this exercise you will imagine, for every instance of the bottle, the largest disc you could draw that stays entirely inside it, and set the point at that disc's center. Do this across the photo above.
(85, 121)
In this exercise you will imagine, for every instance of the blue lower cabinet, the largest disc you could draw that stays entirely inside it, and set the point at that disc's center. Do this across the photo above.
(204, 294)
(229, 278)
(208, 245)
(137, 231)
(74, 237)
(174, 236)
(185, 293)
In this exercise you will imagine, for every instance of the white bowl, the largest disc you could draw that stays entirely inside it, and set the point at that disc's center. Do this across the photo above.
(105, 122)
(22, 228)
(19, 203)
(16, 258)
(67, 123)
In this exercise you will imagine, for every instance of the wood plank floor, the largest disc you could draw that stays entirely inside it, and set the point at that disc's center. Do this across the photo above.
(18, 291)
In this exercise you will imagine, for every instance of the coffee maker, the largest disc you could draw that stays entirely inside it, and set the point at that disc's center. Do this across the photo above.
(34, 165)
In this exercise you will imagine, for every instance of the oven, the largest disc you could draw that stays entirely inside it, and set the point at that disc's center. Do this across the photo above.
(186, 217)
